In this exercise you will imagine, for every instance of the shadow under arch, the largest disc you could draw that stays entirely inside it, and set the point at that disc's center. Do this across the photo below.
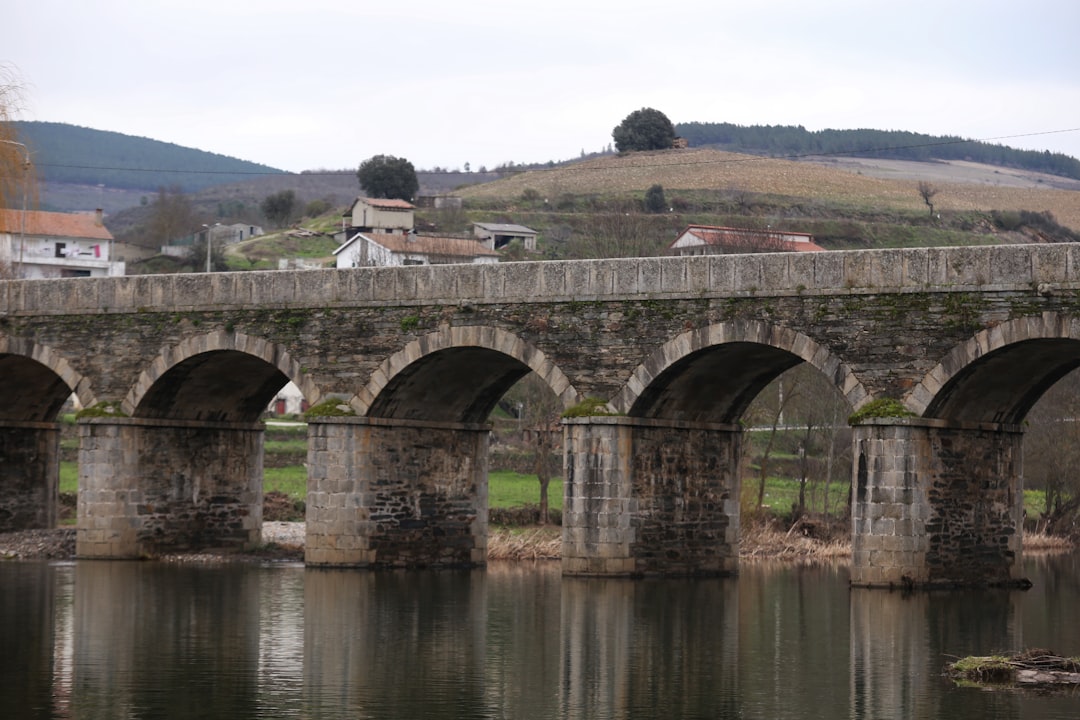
(1001, 372)
(712, 374)
(221, 376)
(36, 381)
(456, 374)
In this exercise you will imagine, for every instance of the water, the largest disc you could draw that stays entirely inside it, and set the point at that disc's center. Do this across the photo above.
(145, 640)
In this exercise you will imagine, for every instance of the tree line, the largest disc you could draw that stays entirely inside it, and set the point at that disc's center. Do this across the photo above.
(781, 140)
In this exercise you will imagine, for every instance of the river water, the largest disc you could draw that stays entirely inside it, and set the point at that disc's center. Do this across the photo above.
(110, 639)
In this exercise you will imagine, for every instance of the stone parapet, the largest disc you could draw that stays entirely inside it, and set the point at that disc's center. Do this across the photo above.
(946, 269)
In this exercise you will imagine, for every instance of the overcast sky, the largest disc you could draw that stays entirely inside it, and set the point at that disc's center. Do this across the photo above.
(329, 83)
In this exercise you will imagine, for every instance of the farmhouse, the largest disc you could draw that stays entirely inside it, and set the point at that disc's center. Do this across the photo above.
(386, 249)
(39, 244)
(496, 236)
(378, 215)
(716, 240)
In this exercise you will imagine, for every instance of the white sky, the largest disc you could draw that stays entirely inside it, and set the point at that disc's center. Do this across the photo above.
(329, 83)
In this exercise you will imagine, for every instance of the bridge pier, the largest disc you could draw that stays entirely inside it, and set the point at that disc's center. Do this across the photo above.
(29, 474)
(152, 486)
(650, 497)
(936, 504)
(396, 493)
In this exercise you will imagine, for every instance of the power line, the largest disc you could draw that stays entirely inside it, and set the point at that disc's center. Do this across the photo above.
(513, 170)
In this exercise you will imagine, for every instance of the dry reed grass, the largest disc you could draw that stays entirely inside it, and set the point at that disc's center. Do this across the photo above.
(539, 543)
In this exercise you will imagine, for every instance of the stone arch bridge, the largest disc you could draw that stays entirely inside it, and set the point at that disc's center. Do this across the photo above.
(404, 365)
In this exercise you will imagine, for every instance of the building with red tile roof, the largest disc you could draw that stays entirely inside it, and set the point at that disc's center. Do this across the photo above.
(38, 244)
(715, 240)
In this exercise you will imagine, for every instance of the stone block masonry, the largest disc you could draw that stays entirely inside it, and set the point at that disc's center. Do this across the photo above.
(29, 475)
(150, 486)
(650, 497)
(962, 338)
(395, 493)
(936, 504)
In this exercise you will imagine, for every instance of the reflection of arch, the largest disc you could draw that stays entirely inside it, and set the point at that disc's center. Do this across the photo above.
(1002, 371)
(220, 375)
(36, 381)
(456, 373)
(713, 373)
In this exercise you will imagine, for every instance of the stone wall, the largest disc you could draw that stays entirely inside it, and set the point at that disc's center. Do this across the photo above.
(396, 493)
(29, 475)
(650, 497)
(934, 504)
(153, 486)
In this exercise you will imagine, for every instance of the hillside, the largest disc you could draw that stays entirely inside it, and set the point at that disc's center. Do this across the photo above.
(73, 155)
(796, 141)
(789, 183)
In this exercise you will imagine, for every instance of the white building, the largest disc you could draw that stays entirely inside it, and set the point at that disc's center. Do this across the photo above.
(378, 215)
(498, 235)
(386, 249)
(39, 244)
(714, 239)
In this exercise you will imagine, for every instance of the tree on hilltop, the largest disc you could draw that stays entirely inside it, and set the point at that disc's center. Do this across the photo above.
(644, 129)
(385, 176)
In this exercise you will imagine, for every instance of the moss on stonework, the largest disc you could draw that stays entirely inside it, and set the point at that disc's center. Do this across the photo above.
(107, 408)
(589, 407)
(330, 408)
(880, 408)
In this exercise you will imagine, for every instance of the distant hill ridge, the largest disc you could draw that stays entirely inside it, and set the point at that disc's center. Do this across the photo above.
(788, 140)
(66, 153)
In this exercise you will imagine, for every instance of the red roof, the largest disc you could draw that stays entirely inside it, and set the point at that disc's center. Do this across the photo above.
(719, 236)
(50, 224)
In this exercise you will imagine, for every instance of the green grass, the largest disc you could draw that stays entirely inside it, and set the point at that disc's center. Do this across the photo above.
(505, 489)
(510, 489)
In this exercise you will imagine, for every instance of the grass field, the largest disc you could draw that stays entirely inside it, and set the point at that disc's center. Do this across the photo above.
(509, 489)
(505, 489)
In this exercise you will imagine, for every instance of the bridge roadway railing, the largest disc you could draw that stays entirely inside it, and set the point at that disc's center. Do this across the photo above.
(955, 269)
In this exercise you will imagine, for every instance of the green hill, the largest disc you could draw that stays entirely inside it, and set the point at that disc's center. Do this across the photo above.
(71, 154)
(792, 140)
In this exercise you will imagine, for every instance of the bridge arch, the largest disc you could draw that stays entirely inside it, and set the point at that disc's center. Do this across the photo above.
(456, 374)
(221, 375)
(713, 373)
(36, 381)
(1001, 372)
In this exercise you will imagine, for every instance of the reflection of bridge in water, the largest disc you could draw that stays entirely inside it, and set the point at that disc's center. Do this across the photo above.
(407, 363)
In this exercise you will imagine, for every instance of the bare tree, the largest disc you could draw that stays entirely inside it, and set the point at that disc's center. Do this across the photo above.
(172, 216)
(538, 411)
(17, 178)
(1052, 453)
(927, 193)
(611, 235)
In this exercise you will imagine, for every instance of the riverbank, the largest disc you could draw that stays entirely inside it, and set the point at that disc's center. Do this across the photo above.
(284, 541)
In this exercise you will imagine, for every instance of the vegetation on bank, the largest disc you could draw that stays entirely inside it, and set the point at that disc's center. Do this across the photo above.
(1033, 667)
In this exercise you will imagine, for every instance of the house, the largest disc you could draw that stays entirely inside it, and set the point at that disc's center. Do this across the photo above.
(378, 215)
(715, 240)
(392, 249)
(38, 245)
(498, 235)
